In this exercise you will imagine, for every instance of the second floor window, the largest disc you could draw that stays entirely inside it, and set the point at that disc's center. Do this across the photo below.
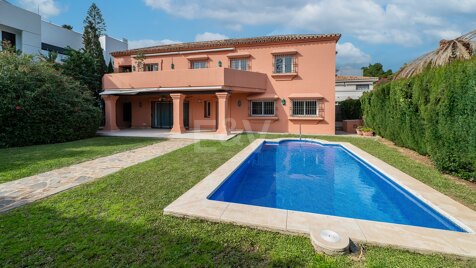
(198, 64)
(239, 64)
(9, 38)
(262, 108)
(305, 108)
(125, 68)
(151, 67)
(362, 87)
(284, 64)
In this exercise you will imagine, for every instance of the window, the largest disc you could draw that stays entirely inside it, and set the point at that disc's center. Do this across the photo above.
(262, 108)
(239, 64)
(125, 68)
(206, 109)
(153, 67)
(362, 87)
(304, 108)
(199, 64)
(10, 38)
(284, 64)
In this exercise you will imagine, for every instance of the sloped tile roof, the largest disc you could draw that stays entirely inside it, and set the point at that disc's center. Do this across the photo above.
(231, 42)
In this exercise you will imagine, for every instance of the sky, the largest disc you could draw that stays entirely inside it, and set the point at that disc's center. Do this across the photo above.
(391, 32)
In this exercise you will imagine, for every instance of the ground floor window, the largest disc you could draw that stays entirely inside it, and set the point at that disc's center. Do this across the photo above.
(262, 108)
(207, 109)
(305, 108)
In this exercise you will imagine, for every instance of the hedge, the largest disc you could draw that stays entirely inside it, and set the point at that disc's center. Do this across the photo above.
(40, 105)
(350, 109)
(433, 113)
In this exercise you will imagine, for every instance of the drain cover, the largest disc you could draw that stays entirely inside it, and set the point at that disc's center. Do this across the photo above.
(329, 241)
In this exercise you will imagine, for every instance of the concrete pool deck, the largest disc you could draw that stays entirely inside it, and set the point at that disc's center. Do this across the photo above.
(194, 204)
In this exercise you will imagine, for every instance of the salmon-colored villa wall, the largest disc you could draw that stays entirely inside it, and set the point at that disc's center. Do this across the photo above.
(315, 76)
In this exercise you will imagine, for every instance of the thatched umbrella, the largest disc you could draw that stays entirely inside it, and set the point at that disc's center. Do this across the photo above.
(461, 48)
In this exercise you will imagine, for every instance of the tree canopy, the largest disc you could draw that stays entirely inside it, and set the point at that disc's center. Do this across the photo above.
(80, 65)
(94, 27)
(376, 70)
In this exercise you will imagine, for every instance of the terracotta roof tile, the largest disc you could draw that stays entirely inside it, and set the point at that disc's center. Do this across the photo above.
(230, 42)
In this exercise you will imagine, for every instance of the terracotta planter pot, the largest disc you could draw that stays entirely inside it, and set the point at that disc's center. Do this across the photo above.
(368, 134)
(359, 132)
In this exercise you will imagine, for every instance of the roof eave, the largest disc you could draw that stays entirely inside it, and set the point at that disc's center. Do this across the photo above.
(239, 43)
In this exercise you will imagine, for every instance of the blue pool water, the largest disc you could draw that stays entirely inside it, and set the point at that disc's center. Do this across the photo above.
(325, 179)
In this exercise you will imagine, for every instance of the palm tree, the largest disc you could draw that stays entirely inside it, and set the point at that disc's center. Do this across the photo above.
(461, 48)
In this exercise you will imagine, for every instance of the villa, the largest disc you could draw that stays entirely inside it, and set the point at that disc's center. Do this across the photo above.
(282, 83)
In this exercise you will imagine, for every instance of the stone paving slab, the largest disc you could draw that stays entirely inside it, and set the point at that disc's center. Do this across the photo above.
(29, 189)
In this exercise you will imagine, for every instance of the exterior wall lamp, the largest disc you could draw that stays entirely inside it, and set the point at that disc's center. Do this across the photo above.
(283, 102)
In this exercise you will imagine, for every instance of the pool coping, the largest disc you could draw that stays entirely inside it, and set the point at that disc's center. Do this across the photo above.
(194, 204)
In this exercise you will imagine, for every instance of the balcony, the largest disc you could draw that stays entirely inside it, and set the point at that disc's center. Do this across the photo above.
(211, 78)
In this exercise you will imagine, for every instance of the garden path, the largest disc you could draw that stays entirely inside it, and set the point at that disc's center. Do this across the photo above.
(29, 189)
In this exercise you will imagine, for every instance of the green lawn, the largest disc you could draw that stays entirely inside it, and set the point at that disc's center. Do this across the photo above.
(118, 221)
(21, 162)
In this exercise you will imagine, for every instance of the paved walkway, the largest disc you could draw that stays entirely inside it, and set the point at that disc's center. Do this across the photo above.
(166, 134)
(26, 190)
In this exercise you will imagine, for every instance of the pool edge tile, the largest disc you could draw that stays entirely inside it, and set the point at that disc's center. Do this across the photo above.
(302, 222)
(254, 216)
(413, 238)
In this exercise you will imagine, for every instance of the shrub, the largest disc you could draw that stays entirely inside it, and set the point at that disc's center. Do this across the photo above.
(40, 105)
(433, 113)
(350, 109)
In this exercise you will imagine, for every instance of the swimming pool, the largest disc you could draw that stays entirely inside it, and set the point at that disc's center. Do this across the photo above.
(325, 179)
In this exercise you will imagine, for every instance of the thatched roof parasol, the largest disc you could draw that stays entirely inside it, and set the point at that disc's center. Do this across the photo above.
(461, 48)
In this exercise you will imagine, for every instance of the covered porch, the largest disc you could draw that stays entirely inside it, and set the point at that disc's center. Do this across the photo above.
(172, 112)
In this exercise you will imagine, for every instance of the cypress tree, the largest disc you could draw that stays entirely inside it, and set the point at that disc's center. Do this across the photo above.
(110, 67)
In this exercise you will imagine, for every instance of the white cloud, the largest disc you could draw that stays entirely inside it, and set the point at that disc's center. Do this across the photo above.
(207, 36)
(349, 55)
(149, 43)
(403, 22)
(46, 8)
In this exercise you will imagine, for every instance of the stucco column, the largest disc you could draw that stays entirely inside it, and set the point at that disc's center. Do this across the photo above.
(178, 99)
(222, 127)
(110, 112)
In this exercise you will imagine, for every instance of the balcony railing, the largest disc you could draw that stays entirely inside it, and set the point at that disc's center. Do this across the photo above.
(227, 78)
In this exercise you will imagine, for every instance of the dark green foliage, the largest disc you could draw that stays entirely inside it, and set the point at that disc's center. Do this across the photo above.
(350, 109)
(110, 67)
(80, 65)
(376, 70)
(433, 113)
(40, 105)
(67, 26)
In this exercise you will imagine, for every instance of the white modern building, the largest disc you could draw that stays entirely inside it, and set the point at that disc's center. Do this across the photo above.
(32, 35)
(353, 87)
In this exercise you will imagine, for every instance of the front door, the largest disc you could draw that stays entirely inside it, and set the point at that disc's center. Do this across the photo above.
(163, 115)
